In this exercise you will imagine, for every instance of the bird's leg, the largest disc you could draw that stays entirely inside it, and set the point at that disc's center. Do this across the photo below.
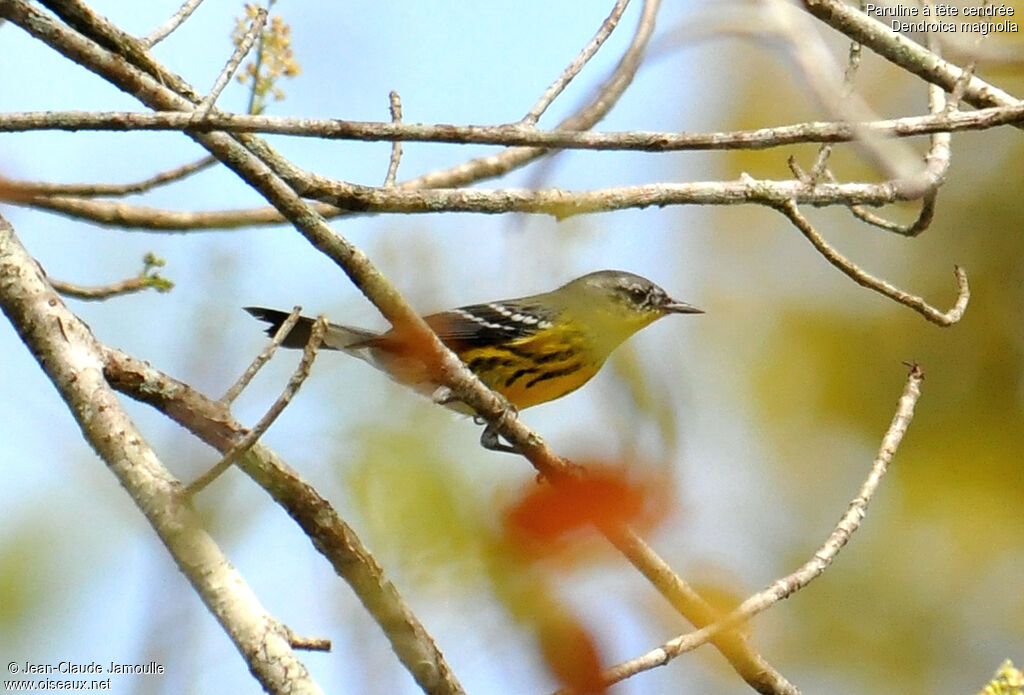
(489, 438)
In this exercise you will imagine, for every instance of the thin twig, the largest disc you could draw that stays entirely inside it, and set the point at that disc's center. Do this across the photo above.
(14, 189)
(957, 94)
(149, 278)
(819, 562)
(175, 20)
(936, 161)
(923, 220)
(257, 68)
(853, 56)
(747, 662)
(95, 293)
(241, 50)
(239, 449)
(311, 644)
(265, 354)
(573, 69)
(395, 106)
(817, 168)
(947, 318)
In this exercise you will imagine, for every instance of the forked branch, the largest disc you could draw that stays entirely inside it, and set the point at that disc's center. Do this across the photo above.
(813, 568)
(865, 279)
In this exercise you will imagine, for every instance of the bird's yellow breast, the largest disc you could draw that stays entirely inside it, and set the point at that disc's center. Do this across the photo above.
(536, 369)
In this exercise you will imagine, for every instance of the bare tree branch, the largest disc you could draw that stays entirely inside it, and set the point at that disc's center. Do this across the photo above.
(71, 357)
(947, 318)
(748, 663)
(213, 423)
(936, 163)
(573, 69)
(81, 18)
(17, 191)
(517, 135)
(261, 359)
(907, 54)
(241, 50)
(395, 105)
(147, 279)
(148, 219)
(810, 570)
(558, 203)
(298, 377)
(562, 204)
(807, 49)
(172, 23)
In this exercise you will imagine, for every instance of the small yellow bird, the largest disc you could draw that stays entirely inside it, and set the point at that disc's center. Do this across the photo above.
(530, 349)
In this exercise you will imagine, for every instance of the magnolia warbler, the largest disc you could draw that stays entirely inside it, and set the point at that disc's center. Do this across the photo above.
(530, 350)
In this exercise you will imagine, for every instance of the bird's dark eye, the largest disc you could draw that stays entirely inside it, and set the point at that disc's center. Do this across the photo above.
(638, 295)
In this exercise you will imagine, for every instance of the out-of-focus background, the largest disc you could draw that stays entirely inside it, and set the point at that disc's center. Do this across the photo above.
(763, 415)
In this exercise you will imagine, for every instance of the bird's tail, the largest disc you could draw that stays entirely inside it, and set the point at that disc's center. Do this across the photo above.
(337, 337)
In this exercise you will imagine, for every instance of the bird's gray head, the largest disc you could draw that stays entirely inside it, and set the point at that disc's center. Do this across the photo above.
(633, 291)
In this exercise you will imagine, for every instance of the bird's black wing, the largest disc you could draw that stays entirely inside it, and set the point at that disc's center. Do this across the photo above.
(480, 325)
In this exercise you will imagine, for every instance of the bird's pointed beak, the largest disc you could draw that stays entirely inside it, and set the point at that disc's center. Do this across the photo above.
(676, 307)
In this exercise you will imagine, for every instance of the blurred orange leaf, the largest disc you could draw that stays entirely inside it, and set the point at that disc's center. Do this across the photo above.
(604, 495)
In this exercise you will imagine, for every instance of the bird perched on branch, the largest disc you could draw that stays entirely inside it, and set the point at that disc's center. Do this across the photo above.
(530, 350)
